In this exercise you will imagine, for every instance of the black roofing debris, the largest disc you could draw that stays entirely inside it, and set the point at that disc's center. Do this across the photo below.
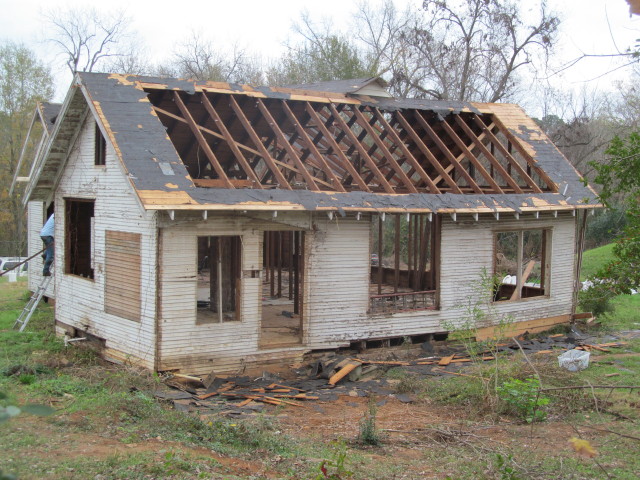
(313, 384)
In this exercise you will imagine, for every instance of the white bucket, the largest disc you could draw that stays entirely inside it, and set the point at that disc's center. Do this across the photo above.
(13, 276)
(574, 360)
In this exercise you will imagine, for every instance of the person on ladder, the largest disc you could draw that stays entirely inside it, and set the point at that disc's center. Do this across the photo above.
(46, 234)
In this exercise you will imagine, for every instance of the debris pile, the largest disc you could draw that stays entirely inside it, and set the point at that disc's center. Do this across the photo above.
(331, 375)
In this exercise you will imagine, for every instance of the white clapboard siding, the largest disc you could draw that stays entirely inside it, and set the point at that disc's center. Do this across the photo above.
(336, 285)
(202, 347)
(80, 302)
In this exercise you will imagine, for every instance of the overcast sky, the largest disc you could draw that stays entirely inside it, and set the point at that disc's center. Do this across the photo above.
(589, 26)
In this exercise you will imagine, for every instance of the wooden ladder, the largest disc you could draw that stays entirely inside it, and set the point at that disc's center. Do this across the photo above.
(31, 305)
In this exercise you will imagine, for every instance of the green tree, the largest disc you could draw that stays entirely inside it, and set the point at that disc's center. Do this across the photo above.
(321, 55)
(24, 80)
(619, 176)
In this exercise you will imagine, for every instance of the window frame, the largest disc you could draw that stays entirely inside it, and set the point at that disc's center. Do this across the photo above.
(70, 240)
(546, 267)
(100, 148)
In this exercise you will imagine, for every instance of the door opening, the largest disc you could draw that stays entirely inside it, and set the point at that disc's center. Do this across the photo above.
(282, 285)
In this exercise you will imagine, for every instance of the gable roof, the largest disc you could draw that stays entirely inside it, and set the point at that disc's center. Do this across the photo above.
(217, 146)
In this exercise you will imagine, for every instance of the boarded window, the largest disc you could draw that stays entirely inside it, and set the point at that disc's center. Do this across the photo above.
(122, 275)
(522, 264)
(78, 232)
(100, 148)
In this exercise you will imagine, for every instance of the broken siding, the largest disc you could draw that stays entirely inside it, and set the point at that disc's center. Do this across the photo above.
(81, 302)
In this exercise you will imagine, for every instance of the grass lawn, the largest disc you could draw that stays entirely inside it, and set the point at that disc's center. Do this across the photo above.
(108, 424)
(627, 307)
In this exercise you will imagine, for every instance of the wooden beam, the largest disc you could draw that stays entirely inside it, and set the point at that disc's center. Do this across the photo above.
(258, 144)
(472, 158)
(361, 150)
(427, 153)
(405, 151)
(312, 147)
(494, 161)
(527, 157)
(293, 155)
(447, 153)
(346, 164)
(201, 140)
(230, 141)
(512, 161)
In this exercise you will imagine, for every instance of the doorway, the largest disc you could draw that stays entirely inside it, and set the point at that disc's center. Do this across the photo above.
(282, 288)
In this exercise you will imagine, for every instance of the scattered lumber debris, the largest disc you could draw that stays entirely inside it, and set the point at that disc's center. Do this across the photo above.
(328, 375)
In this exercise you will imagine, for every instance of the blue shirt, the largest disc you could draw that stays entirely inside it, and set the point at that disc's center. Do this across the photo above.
(47, 230)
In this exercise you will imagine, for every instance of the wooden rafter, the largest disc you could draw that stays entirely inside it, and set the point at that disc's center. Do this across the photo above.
(470, 156)
(242, 161)
(282, 182)
(362, 121)
(346, 164)
(361, 150)
(312, 147)
(281, 137)
(444, 174)
(202, 141)
(405, 151)
(512, 161)
(527, 157)
(446, 152)
(477, 141)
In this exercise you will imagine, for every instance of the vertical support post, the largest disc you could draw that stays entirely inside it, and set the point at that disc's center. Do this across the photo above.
(272, 264)
(519, 267)
(219, 271)
(296, 271)
(279, 253)
(380, 249)
(290, 238)
(409, 247)
(396, 247)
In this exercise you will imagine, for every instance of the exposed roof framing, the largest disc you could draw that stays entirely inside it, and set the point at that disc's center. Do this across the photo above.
(319, 146)
(186, 145)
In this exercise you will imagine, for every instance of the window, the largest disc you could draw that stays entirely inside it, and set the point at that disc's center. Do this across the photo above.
(219, 275)
(405, 258)
(100, 148)
(78, 232)
(522, 264)
(122, 274)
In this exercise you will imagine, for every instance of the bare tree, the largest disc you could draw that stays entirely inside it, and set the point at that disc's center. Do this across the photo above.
(86, 37)
(458, 50)
(199, 58)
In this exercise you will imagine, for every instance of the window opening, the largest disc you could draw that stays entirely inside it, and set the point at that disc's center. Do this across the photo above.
(219, 276)
(282, 288)
(100, 148)
(78, 242)
(405, 258)
(521, 264)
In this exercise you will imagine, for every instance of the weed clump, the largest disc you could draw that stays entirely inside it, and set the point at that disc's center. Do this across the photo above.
(369, 433)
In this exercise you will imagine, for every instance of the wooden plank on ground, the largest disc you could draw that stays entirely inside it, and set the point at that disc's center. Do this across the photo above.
(444, 361)
(344, 371)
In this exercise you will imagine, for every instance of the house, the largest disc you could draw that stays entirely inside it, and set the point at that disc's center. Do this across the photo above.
(205, 226)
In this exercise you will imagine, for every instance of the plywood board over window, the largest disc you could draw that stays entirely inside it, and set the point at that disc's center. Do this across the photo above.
(122, 276)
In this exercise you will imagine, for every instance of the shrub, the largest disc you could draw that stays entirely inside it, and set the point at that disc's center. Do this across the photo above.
(524, 398)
